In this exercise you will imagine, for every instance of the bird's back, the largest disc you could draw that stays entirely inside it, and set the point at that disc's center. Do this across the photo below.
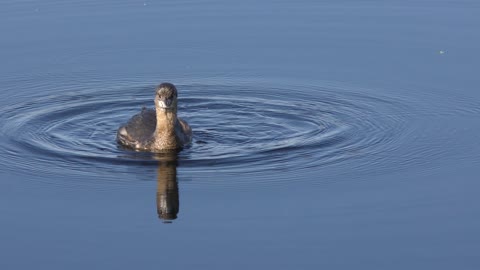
(139, 129)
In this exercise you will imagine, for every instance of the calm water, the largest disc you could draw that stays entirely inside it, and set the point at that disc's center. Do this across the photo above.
(334, 134)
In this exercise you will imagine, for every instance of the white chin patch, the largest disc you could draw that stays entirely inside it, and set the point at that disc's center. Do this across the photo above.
(162, 104)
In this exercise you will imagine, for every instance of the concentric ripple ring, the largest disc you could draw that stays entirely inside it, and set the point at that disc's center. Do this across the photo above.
(246, 128)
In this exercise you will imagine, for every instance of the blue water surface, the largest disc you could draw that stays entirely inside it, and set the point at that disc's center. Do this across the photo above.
(327, 134)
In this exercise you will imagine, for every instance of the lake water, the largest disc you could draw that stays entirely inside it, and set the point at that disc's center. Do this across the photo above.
(334, 134)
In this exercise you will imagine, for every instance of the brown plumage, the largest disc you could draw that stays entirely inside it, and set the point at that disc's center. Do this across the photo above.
(157, 130)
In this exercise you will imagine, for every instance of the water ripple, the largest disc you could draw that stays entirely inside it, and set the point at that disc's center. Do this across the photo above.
(238, 128)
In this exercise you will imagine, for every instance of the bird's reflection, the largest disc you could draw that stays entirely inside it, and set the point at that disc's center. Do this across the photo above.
(167, 187)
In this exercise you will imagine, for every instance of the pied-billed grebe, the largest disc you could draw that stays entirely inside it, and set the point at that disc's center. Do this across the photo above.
(157, 130)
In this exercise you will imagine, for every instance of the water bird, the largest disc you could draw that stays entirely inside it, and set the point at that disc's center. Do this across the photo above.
(159, 129)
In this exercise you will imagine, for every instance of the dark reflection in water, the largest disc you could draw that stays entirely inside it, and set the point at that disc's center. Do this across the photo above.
(167, 187)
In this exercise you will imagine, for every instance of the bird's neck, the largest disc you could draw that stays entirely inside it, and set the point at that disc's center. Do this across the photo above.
(166, 121)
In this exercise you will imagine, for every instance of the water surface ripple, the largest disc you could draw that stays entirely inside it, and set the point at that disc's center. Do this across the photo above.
(248, 128)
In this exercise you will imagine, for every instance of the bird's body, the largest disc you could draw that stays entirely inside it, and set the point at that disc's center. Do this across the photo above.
(157, 130)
